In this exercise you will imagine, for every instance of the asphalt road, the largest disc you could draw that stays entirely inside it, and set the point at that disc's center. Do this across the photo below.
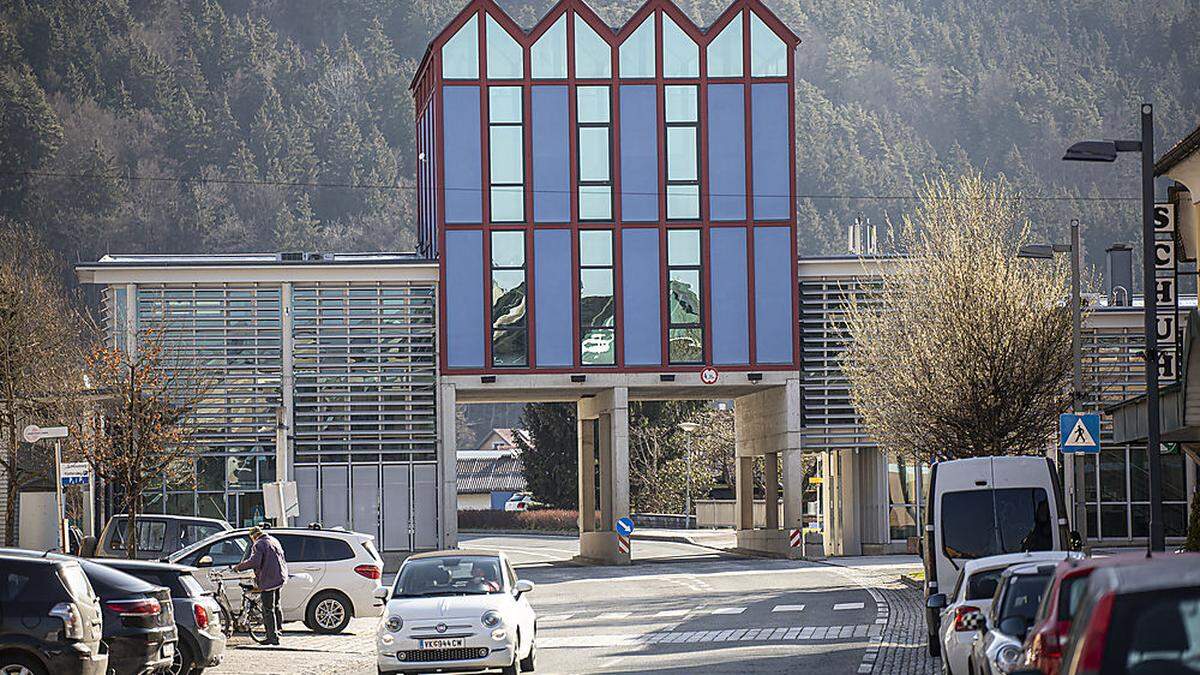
(687, 609)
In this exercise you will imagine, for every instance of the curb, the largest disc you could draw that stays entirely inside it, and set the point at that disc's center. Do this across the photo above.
(530, 533)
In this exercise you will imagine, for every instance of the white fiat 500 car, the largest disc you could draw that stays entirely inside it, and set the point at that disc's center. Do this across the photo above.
(457, 611)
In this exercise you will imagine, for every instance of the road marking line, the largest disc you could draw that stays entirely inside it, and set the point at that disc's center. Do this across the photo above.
(848, 605)
(729, 610)
(614, 615)
(792, 634)
(788, 608)
(673, 612)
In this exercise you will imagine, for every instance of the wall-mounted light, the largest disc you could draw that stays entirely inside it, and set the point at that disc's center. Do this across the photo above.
(754, 377)
(578, 378)
(487, 379)
(666, 377)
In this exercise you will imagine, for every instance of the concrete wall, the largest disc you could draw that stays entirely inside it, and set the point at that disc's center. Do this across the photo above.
(475, 502)
(723, 513)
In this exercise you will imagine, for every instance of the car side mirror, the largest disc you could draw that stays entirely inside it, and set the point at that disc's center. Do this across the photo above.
(381, 593)
(522, 587)
(205, 561)
(937, 601)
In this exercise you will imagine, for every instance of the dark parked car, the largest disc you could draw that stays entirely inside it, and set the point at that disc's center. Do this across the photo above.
(197, 615)
(139, 622)
(49, 618)
(158, 535)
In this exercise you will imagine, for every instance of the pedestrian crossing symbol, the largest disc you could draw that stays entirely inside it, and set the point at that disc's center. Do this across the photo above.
(1079, 432)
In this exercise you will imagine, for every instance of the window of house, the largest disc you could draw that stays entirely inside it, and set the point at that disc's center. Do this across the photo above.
(904, 484)
(460, 54)
(594, 113)
(683, 158)
(510, 339)
(504, 55)
(548, 56)
(593, 56)
(725, 51)
(596, 309)
(681, 55)
(637, 52)
(768, 54)
(506, 154)
(685, 335)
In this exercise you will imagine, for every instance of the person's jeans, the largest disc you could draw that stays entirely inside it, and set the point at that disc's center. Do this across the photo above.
(272, 615)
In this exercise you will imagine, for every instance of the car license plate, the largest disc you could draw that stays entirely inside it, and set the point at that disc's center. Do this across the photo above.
(168, 650)
(442, 643)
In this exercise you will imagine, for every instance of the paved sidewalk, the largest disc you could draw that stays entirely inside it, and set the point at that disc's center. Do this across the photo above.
(901, 649)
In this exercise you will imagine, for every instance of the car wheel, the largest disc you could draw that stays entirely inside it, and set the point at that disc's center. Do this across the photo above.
(529, 663)
(512, 669)
(184, 662)
(935, 647)
(328, 613)
(20, 664)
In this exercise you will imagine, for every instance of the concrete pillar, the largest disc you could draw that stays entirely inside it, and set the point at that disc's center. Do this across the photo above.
(586, 432)
(744, 492)
(608, 413)
(771, 489)
(447, 467)
(793, 489)
(843, 536)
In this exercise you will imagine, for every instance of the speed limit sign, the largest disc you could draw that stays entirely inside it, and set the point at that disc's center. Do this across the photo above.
(708, 375)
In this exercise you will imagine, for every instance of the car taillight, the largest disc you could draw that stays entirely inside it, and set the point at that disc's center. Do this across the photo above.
(137, 607)
(369, 571)
(1092, 649)
(960, 615)
(201, 614)
(72, 626)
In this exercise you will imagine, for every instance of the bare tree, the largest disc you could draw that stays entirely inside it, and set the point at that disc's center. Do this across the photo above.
(967, 349)
(141, 434)
(40, 356)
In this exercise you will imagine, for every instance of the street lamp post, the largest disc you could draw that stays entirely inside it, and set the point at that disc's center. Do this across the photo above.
(1106, 151)
(1045, 252)
(690, 428)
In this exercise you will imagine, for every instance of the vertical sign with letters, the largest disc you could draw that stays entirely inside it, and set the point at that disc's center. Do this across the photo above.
(1165, 295)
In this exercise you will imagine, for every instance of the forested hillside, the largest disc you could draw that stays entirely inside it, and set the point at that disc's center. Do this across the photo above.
(285, 124)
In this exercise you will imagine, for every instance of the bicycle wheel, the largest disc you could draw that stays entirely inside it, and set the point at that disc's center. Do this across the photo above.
(254, 623)
(226, 621)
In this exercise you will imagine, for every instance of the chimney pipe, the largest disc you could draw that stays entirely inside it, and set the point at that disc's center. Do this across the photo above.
(1118, 277)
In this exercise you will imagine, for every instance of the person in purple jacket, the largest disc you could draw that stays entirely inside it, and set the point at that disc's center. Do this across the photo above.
(270, 571)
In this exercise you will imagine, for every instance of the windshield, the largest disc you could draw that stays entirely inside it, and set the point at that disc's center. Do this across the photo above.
(1158, 632)
(982, 585)
(980, 523)
(1023, 596)
(451, 575)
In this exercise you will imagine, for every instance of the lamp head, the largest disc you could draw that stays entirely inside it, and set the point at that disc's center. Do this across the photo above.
(1092, 151)
(689, 427)
(1037, 251)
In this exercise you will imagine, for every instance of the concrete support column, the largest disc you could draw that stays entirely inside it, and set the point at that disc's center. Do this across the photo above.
(793, 489)
(744, 494)
(843, 535)
(608, 414)
(586, 432)
(447, 467)
(771, 489)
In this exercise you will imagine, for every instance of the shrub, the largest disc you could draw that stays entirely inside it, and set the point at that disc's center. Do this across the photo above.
(543, 520)
(1193, 532)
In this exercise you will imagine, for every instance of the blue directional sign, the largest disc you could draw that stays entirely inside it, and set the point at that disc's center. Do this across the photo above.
(1079, 432)
(625, 526)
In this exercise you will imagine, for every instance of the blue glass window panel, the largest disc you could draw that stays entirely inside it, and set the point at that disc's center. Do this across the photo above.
(768, 54)
(639, 153)
(681, 103)
(641, 320)
(460, 54)
(682, 161)
(725, 51)
(548, 56)
(771, 151)
(551, 158)
(505, 59)
(504, 104)
(681, 55)
(464, 298)
(593, 56)
(593, 154)
(591, 104)
(554, 315)
(773, 294)
(726, 152)
(505, 154)
(595, 202)
(464, 196)
(729, 296)
(637, 51)
(683, 202)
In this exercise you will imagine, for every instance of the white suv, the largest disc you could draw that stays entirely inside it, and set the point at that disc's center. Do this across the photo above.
(333, 574)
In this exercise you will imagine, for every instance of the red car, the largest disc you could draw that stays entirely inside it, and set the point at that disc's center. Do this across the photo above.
(1047, 640)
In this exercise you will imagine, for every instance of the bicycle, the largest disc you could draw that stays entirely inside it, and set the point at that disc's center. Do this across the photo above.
(248, 618)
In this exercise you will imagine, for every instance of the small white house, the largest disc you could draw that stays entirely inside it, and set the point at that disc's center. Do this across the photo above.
(489, 474)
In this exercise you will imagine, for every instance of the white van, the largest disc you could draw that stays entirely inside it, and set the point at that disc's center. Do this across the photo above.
(985, 506)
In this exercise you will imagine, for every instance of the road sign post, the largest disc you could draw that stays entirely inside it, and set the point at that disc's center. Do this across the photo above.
(1079, 432)
(624, 528)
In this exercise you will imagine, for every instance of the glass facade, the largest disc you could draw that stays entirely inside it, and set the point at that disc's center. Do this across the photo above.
(597, 311)
(683, 164)
(685, 332)
(637, 52)
(460, 54)
(593, 56)
(908, 483)
(506, 154)
(594, 111)
(505, 59)
(681, 55)
(725, 51)
(548, 56)
(510, 331)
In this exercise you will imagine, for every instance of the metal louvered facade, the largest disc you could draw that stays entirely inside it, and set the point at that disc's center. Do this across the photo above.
(324, 373)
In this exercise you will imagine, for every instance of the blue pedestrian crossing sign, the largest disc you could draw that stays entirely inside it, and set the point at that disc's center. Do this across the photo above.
(1079, 432)
(625, 526)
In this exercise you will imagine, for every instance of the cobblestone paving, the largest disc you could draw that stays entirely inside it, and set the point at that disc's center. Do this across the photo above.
(901, 649)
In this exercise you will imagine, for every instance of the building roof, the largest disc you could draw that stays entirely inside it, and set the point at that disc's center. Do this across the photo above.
(249, 259)
(258, 267)
(1179, 152)
(482, 475)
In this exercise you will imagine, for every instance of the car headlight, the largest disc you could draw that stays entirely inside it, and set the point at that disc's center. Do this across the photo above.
(491, 618)
(394, 624)
(1009, 658)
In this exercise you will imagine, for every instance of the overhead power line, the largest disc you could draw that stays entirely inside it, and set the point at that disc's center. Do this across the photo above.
(413, 188)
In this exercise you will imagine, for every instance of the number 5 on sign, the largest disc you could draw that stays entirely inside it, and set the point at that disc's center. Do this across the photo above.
(1079, 432)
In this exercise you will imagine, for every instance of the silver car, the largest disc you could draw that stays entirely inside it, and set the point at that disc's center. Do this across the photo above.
(996, 649)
